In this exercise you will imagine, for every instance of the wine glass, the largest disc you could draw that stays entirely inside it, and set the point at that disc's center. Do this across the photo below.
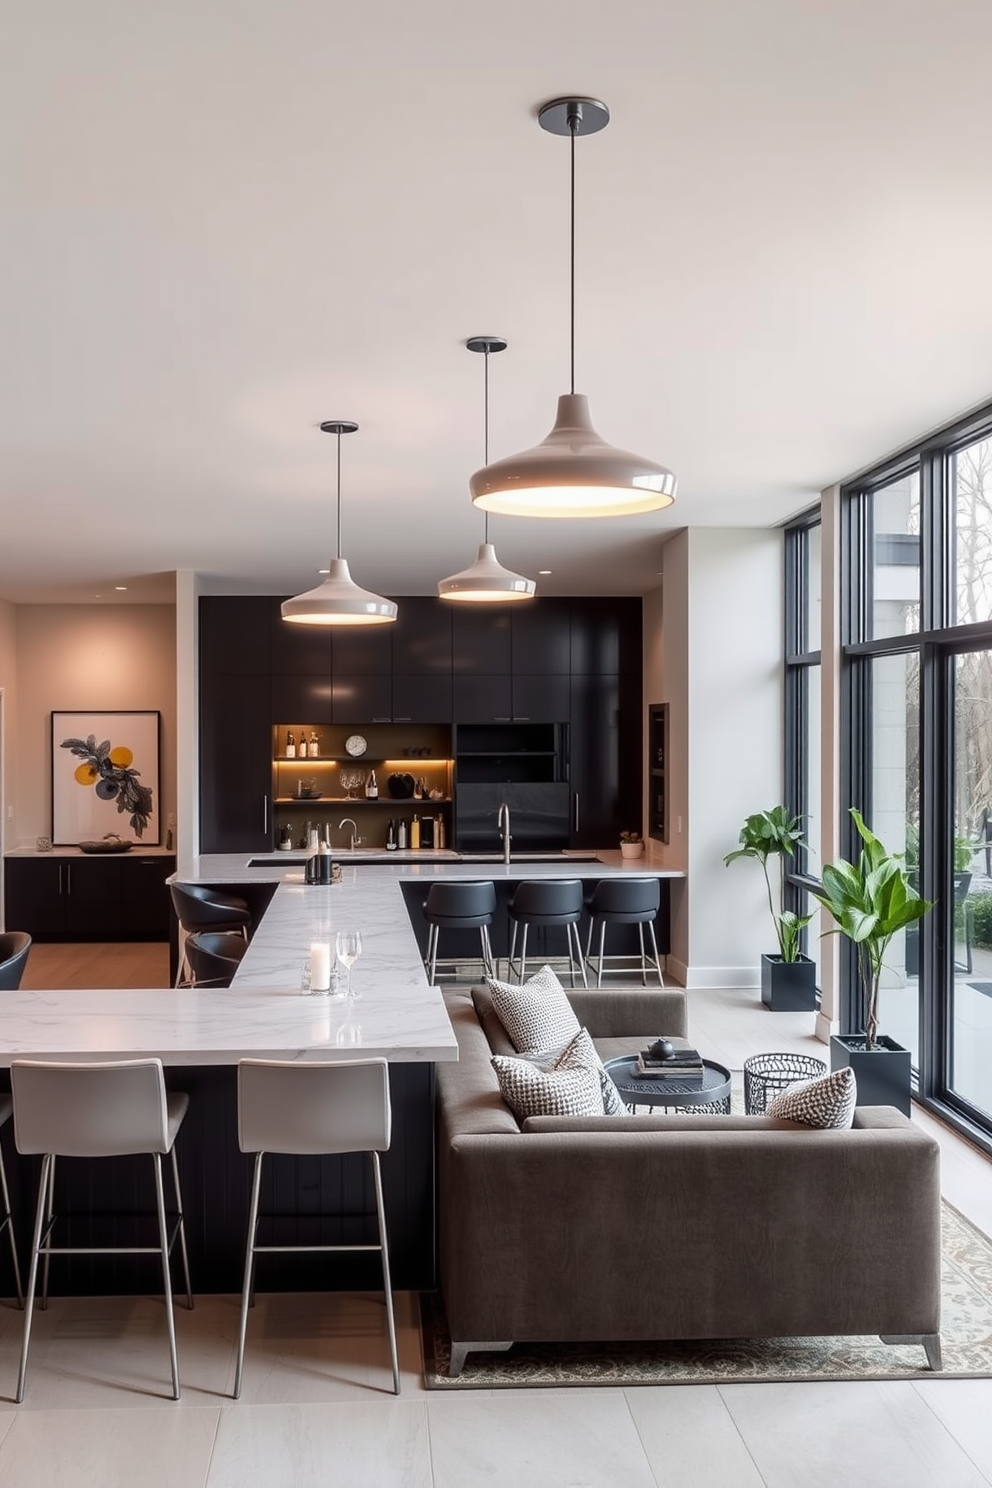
(349, 948)
(350, 781)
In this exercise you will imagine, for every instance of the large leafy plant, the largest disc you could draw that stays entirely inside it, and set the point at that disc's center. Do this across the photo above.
(774, 834)
(870, 901)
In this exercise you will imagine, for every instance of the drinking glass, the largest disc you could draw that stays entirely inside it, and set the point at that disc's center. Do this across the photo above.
(349, 948)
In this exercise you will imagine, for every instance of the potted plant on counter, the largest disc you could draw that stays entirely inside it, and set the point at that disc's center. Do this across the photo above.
(871, 901)
(631, 845)
(788, 979)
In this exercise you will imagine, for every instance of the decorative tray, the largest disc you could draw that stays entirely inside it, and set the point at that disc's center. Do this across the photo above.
(309, 796)
(111, 845)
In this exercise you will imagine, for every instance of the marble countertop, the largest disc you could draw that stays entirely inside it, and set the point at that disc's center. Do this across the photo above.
(136, 851)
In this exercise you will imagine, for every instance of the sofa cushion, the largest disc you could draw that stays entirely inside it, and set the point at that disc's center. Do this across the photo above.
(536, 1015)
(574, 1090)
(827, 1101)
(496, 1035)
(581, 1051)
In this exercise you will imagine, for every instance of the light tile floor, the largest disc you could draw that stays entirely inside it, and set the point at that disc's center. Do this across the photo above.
(317, 1407)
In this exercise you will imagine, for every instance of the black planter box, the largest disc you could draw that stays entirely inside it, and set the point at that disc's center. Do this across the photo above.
(788, 986)
(882, 1073)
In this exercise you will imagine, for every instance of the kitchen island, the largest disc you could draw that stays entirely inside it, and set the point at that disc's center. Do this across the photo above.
(201, 1035)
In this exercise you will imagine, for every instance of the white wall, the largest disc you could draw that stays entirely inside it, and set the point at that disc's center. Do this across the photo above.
(718, 665)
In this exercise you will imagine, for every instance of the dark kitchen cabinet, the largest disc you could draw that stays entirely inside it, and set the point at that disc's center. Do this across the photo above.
(481, 641)
(363, 650)
(422, 638)
(482, 698)
(605, 636)
(98, 898)
(422, 699)
(236, 634)
(540, 699)
(302, 699)
(235, 764)
(605, 745)
(299, 649)
(542, 638)
(363, 699)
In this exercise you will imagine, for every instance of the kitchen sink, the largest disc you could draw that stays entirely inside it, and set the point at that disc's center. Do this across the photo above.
(531, 857)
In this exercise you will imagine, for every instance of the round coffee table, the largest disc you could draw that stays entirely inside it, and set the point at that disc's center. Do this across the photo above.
(712, 1096)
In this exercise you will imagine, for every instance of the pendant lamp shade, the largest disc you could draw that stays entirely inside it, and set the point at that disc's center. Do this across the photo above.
(338, 600)
(573, 472)
(486, 581)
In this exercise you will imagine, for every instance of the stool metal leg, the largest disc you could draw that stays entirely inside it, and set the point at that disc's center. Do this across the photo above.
(39, 1226)
(573, 933)
(602, 938)
(644, 963)
(51, 1217)
(163, 1232)
(384, 1242)
(246, 1289)
(654, 947)
(523, 954)
(432, 937)
(487, 951)
(8, 1223)
(181, 1228)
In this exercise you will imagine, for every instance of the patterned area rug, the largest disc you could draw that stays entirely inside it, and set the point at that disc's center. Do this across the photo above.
(966, 1336)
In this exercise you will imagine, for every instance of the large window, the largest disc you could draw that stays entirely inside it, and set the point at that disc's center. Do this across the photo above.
(802, 714)
(917, 737)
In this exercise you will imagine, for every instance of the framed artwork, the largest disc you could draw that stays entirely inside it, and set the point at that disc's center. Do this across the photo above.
(105, 777)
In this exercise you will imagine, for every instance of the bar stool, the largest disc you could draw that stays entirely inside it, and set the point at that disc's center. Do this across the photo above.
(625, 901)
(14, 948)
(114, 1109)
(313, 1109)
(213, 956)
(459, 906)
(542, 903)
(199, 908)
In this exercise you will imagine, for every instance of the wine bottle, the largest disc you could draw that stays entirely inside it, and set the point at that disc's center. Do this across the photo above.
(391, 835)
(401, 836)
(290, 745)
(415, 833)
(371, 788)
(314, 745)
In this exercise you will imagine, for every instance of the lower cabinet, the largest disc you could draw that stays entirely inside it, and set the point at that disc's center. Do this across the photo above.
(100, 898)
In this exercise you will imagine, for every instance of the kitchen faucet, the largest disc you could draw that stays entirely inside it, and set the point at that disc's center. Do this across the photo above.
(346, 821)
(503, 823)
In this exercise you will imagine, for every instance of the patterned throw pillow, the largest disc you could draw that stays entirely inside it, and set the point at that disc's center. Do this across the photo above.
(537, 1015)
(827, 1101)
(530, 1091)
(580, 1052)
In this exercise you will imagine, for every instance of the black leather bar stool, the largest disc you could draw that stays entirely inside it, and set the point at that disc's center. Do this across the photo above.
(200, 908)
(547, 903)
(14, 948)
(213, 956)
(625, 901)
(459, 906)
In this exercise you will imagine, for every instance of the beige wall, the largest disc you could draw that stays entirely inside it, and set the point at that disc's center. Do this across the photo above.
(84, 656)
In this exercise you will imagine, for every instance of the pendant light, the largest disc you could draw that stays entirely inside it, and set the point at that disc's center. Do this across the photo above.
(486, 581)
(338, 600)
(573, 472)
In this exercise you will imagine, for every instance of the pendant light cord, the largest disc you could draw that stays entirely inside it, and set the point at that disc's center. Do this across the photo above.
(485, 427)
(338, 553)
(574, 117)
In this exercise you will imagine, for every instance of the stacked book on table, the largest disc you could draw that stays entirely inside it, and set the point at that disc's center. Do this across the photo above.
(683, 1066)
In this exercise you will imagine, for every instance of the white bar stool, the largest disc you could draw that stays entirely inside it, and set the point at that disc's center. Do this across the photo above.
(113, 1109)
(313, 1109)
(6, 1222)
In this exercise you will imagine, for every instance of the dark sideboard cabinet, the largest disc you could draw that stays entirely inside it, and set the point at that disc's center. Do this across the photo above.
(56, 897)
(573, 663)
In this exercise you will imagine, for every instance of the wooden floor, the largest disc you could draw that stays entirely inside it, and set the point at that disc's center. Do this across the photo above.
(121, 964)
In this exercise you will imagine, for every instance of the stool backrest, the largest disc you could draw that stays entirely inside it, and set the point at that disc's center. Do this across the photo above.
(553, 896)
(626, 896)
(456, 900)
(200, 908)
(301, 1107)
(214, 956)
(14, 947)
(89, 1110)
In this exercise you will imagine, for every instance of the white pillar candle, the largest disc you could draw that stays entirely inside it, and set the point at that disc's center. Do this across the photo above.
(320, 965)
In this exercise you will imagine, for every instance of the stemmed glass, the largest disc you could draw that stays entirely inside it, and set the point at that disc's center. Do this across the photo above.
(349, 948)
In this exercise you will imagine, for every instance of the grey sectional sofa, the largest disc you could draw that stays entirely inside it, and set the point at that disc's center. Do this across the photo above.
(677, 1226)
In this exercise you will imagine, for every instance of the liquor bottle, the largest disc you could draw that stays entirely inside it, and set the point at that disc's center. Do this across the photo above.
(371, 788)
(290, 745)
(391, 835)
(401, 836)
(415, 833)
(439, 831)
(314, 745)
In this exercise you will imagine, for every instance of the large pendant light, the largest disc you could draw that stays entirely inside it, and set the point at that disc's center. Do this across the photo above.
(573, 472)
(338, 600)
(486, 581)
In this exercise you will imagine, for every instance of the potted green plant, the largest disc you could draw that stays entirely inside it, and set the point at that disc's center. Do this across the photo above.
(631, 844)
(788, 979)
(870, 902)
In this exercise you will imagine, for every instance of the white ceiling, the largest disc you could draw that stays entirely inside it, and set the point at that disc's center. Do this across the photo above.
(226, 220)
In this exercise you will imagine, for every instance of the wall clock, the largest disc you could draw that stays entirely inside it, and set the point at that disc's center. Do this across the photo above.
(356, 745)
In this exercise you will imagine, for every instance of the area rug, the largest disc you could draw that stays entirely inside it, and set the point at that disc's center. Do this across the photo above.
(966, 1336)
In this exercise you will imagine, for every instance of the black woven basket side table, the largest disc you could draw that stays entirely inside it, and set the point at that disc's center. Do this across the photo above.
(766, 1075)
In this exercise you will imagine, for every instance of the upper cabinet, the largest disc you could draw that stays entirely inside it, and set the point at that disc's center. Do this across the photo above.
(236, 635)
(542, 638)
(482, 640)
(605, 636)
(422, 638)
